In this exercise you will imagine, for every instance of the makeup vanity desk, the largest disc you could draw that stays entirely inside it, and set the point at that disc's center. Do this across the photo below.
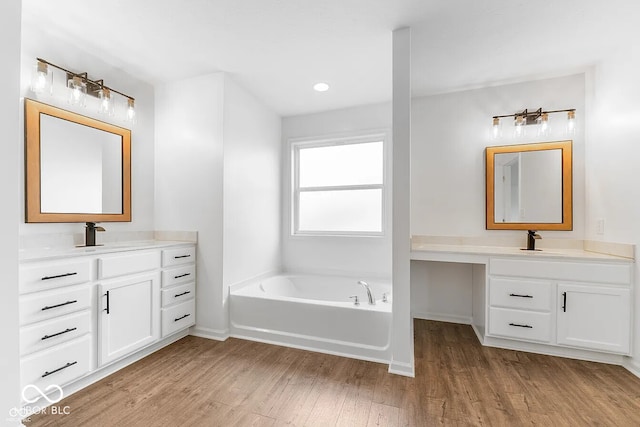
(568, 302)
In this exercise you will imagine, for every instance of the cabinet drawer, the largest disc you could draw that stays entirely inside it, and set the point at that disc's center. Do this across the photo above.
(178, 317)
(177, 275)
(520, 324)
(523, 294)
(178, 294)
(49, 275)
(55, 366)
(562, 270)
(54, 331)
(178, 256)
(134, 262)
(47, 304)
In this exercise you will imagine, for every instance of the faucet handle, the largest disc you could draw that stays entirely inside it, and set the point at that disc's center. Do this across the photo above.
(356, 301)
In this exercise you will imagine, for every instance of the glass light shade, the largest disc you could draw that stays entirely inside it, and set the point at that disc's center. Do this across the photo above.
(131, 111)
(496, 128)
(77, 91)
(105, 105)
(571, 122)
(41, 79)
(519, 126)
(543, 130)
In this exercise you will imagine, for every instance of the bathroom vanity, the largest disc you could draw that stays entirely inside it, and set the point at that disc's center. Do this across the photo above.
(567, 302)
(88, 311)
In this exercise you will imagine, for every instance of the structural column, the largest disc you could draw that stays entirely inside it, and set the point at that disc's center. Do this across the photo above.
(402, 360)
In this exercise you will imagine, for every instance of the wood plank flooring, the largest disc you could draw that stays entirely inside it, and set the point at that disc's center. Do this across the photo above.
(199, 382)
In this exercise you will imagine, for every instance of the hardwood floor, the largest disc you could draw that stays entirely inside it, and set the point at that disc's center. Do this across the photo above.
(199, 382)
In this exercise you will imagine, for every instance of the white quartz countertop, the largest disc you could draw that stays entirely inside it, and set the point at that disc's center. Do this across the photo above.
(50, 253)
(421, 251)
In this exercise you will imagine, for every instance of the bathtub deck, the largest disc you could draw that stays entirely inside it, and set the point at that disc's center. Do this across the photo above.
(200, 382)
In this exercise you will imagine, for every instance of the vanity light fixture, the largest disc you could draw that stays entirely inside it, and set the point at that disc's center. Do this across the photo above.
(537, 117)
(80, 85)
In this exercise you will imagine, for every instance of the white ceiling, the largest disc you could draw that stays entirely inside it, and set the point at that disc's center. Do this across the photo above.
(278, 49)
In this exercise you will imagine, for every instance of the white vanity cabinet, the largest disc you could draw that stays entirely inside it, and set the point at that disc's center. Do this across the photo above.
(55, 308)
(178, 289)
(585, 305)
(129, 303)
(87, 312)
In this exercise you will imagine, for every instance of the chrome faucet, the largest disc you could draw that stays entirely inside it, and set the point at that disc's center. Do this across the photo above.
(90, 233)
(372, 300)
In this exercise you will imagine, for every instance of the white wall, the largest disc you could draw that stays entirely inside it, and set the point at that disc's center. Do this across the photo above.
(188, 174)
(9, 214)
(61, 51)
(354, 255)
(252, 202)
(449, 135)
(218, 172)
(612, 158)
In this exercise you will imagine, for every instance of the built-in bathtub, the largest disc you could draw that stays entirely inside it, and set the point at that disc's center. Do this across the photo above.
(316, 313)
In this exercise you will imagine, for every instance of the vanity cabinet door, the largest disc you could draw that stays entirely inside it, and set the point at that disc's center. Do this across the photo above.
(129, 315)
(594, 317)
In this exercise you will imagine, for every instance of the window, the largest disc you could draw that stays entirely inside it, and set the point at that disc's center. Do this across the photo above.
(338, 187)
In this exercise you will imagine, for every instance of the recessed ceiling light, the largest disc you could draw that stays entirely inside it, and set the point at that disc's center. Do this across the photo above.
(321, 87)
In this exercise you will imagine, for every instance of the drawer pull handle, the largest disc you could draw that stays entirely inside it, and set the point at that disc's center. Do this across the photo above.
(46, 374)
(184, 293)
(107, 309)
(521, 326)
(521, 296)
(49, 307)
(58, 276)
(182, 275)
(46, 337)
(564, 302)
(182, 256)
(182, 317)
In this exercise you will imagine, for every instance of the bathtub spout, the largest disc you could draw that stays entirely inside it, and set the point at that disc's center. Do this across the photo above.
(372, 299)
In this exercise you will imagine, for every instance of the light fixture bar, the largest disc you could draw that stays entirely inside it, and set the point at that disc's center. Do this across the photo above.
(537, 113)
(93, 86)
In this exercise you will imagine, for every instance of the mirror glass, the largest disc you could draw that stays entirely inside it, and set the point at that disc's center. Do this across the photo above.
(529, 186)
(78, 168)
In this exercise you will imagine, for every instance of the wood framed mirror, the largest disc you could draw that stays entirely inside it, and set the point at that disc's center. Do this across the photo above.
(530, 186)
(78, 169)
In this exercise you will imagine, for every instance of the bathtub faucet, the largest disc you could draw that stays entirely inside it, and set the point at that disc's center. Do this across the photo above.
(372, 300)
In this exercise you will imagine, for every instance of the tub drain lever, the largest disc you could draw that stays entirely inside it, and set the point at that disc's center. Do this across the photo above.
(355, 301)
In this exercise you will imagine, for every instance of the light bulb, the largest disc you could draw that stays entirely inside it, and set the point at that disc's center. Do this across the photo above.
(496, 128)
(41, 78)
(77, 90)
(571, 122)
(543, 130)
(131, 111)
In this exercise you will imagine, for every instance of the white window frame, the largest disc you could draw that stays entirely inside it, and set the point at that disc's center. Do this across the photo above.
(296, 145)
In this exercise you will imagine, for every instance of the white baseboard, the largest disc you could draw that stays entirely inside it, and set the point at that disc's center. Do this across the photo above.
(212, 334)
(632, 367)
(442, 317)
(402, 368)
